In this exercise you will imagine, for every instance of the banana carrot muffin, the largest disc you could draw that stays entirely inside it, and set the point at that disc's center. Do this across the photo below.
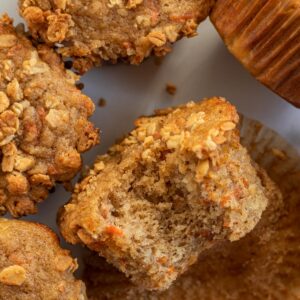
(264, 36)
(262, 265)
(175, 186)
(92, 31)
(43, 122)
(34, 266)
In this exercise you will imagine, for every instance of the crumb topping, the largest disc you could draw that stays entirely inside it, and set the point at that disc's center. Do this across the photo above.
(43, 122)
(93, 31)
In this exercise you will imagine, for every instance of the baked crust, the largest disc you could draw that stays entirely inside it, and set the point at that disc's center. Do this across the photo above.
(34, 266)
(43, 122)
(264, 36)
(177, 185)
(93, 31)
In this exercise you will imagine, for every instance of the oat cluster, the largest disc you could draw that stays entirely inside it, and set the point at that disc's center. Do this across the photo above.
(93, 31)
(43, 122)
(177, 185)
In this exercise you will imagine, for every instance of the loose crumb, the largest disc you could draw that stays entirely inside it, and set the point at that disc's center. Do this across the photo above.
(171, 89)
(158, 60)
(68, 64)
(102, 102)
(84, 171)
(68, 186)
(80, 86)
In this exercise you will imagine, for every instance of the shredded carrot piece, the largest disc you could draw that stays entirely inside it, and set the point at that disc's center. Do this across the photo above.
(237, 192)
(127, 45)
(113, 230)
(245, 182)
(182, 18)
(162, 260)
(224, 200)
(153, 5)
(226, 224)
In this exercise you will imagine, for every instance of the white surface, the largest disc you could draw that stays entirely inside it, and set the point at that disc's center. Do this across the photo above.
(199, 67)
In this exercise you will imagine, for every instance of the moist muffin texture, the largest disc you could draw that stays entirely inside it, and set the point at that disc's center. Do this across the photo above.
(92, 31)
(33, 266)
(43, 122)
(250, 268)
(177, 185)
(262, 265)
(264, 36)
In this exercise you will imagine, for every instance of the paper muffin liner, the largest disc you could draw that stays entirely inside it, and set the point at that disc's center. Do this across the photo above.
(267, 148)
(282, 163)
(264, 36)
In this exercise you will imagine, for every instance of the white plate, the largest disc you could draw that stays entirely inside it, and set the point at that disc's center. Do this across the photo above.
(199, 67)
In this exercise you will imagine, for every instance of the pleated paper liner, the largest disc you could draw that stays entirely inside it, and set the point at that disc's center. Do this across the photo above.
(264, 35)
(263, 265)
(272, 152)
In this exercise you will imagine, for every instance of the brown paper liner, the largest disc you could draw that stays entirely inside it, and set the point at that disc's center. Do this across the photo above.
(280, 159)
(264, 36)
(263, 265)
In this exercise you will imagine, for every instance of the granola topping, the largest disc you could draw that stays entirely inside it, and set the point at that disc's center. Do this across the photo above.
(43, 121)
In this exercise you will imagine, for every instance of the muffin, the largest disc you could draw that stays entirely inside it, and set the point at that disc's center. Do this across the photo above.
(43, 122)
(263, 35)
(177, 185)
(92, 31)
(34, 266)
(262, 265)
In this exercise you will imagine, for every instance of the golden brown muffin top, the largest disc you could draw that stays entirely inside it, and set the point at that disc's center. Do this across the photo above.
(34, 266)
(43, 122)
(96, 30)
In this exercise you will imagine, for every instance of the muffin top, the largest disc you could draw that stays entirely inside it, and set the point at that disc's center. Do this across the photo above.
(43, 122)
(92, 31)
(34, 266)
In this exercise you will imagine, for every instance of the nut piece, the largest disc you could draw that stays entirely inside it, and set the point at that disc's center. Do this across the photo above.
(34, 65)
(202, 170)
(157, 38)
(227, 126)
(9, 124)
(195, 119)
(57, 118)
(14, 91)
(64, 263)
(24, 163)
(133, 3)
(59, 26)
(13, 275)
(61, 4)
(4, 102)
(143, 21)
(7, 40)
(17, 184)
